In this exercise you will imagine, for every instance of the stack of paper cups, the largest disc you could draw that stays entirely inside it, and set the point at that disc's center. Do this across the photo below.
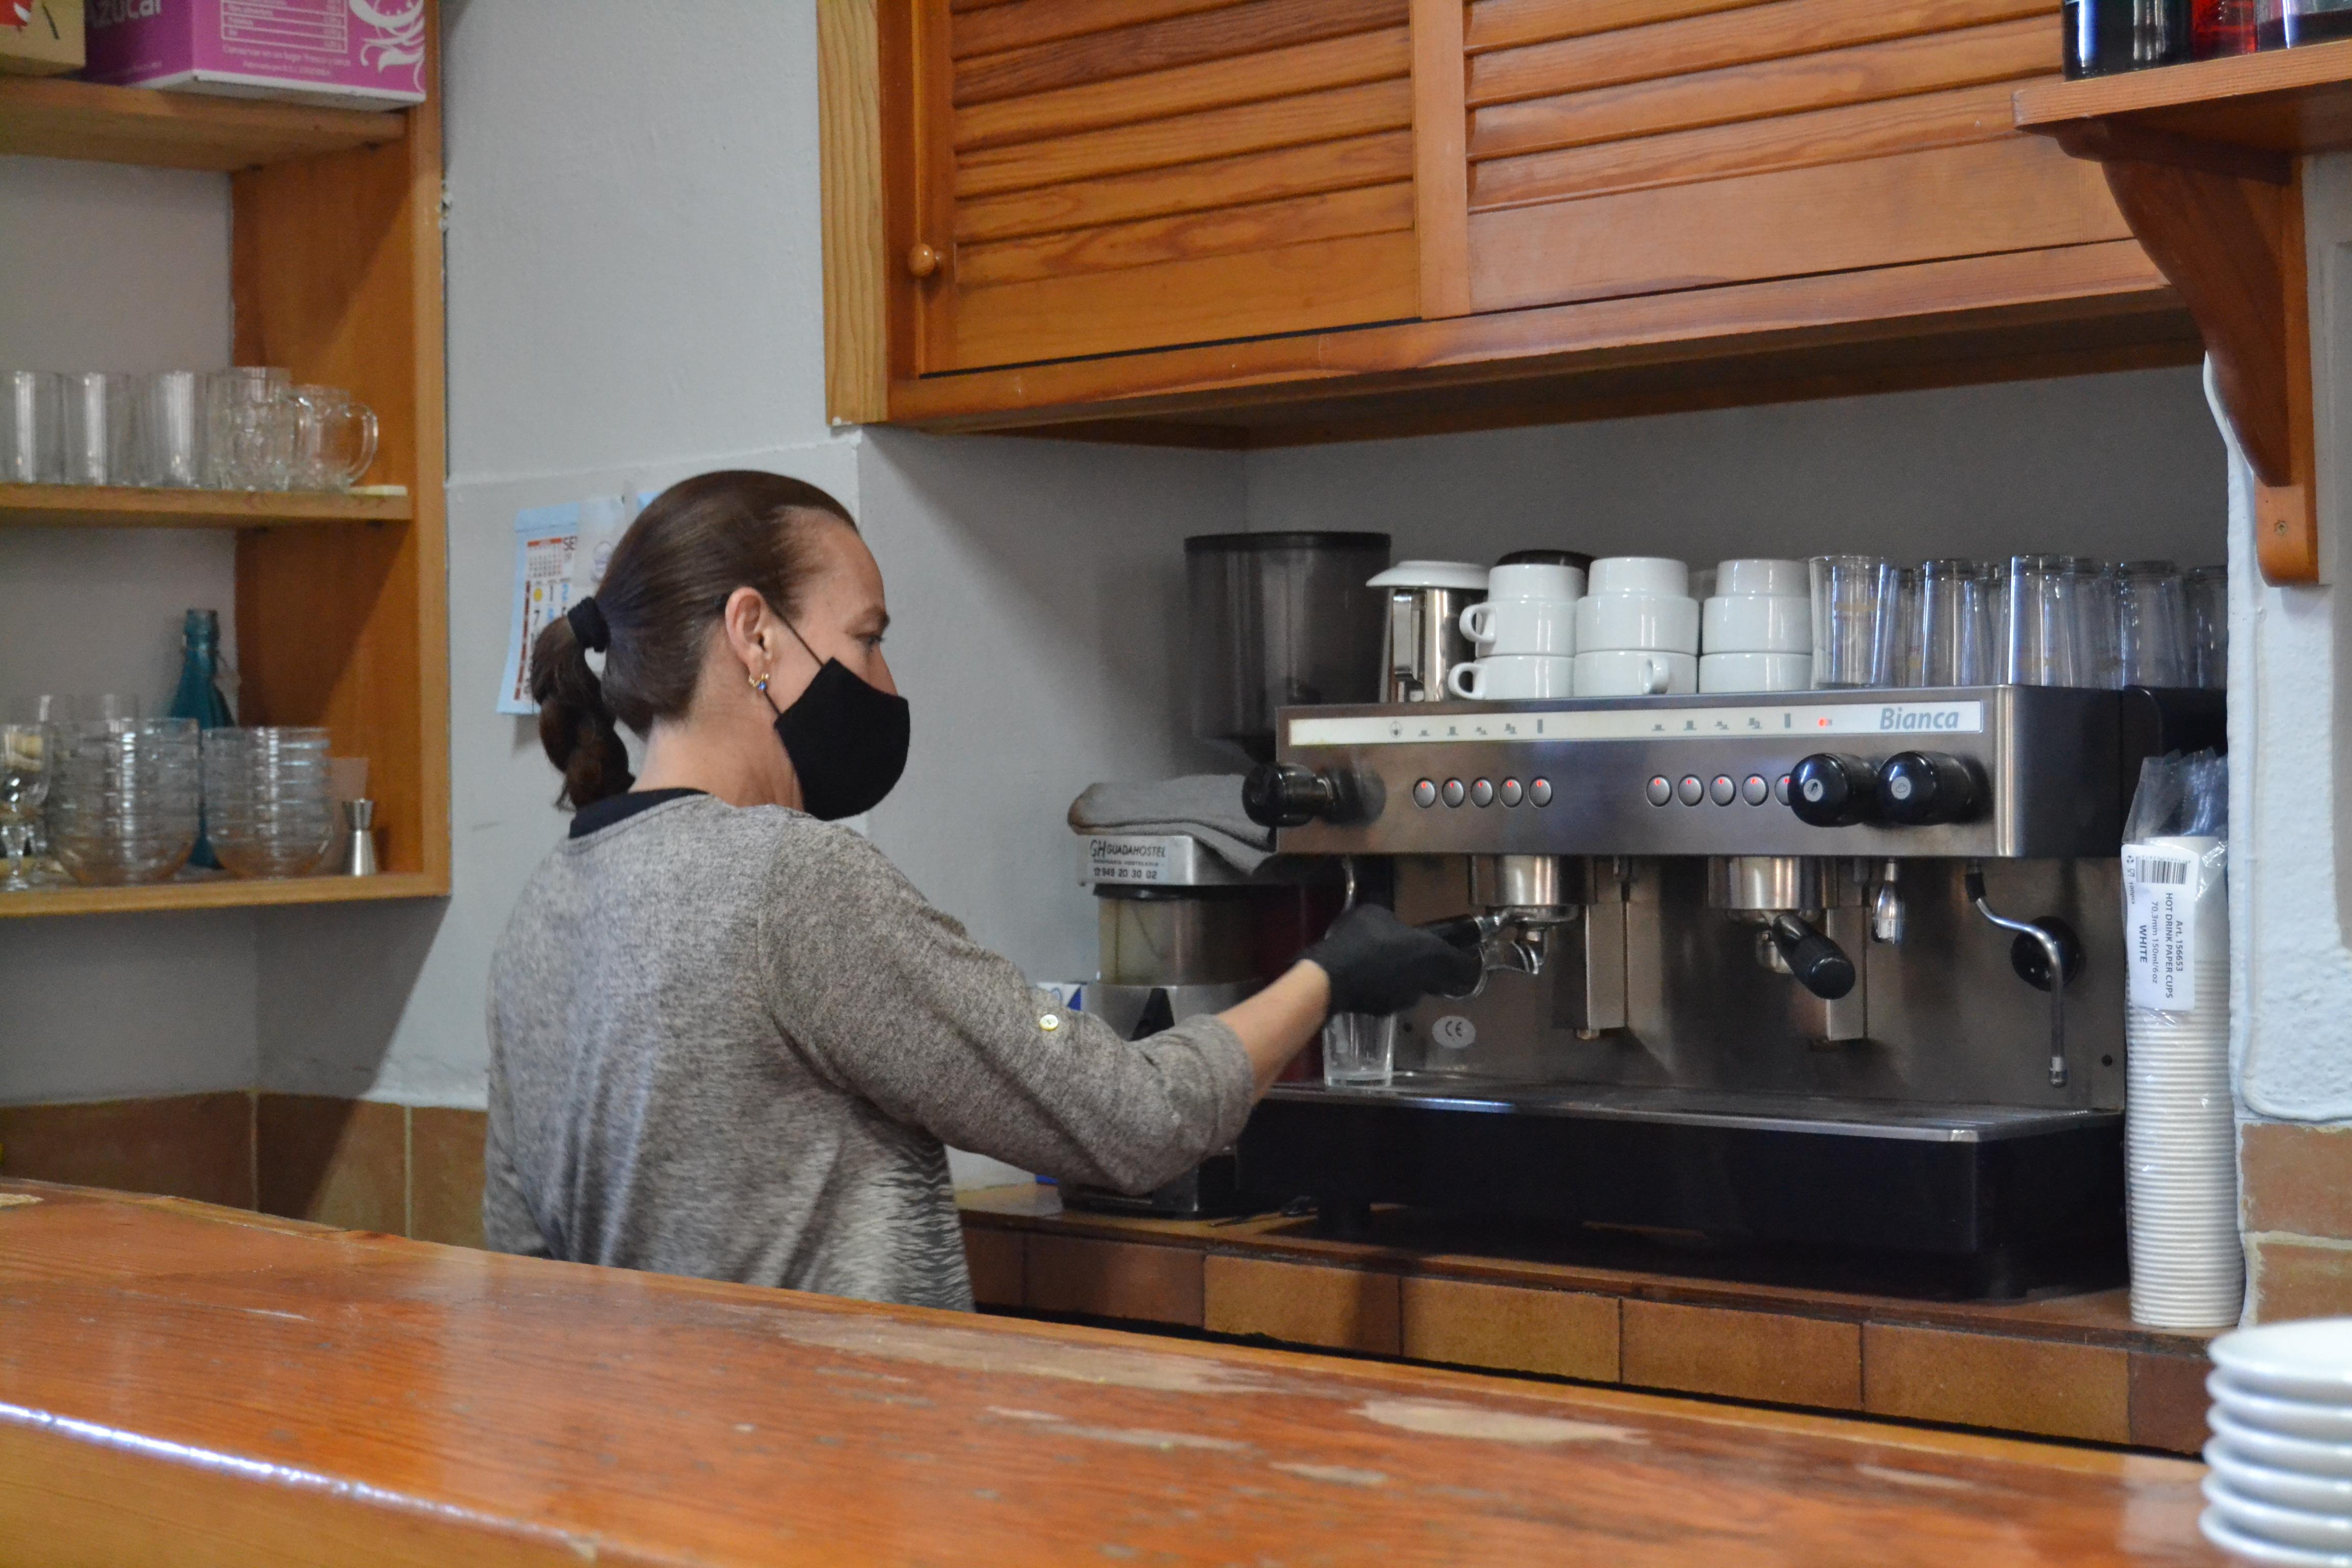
(2179, 1139)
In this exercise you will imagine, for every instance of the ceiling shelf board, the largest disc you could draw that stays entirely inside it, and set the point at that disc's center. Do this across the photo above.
(2205, 163)
(220, 893)
(122, 506)
(42, 118)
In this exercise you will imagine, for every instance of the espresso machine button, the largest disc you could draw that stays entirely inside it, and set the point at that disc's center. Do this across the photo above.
(1513, 792)
(1781, 789)
(1754, 790)
(1425, 793)
(1452, 793)
(1722, 791)
(1540, 792)
(1829, 791)
(1659, 790)
(1690, 792)
(1919, 789)
(1482, 793)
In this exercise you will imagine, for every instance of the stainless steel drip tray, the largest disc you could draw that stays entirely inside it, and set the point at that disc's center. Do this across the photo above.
(1764, 1112)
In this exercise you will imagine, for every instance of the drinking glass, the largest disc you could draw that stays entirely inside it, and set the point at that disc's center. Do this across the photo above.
(1857, 600)
(127, 798)
(2152, 613)
(1359, 1048)
(1955, 624)
(2040, 633)
(2206, 590)
(2098, 637)
(1910, 653)
(97, 427)
(168, 429)
(26, 753)
(335, 440)
(250, 428)
(32, 427)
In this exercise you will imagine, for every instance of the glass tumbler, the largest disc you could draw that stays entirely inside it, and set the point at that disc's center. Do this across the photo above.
(251, 427)
(1857, 603)
(1359, 1048)
(25, 758)
(2152, 615)
(336, 438)
(98, 450)
(167, 426)
(2207, 590)
(32, 427)
(2041, 632)
(1955, 624)
(2098, 633)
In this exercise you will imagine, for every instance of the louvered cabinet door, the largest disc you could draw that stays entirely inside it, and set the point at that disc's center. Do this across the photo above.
(1098, 176)
(1620, 147)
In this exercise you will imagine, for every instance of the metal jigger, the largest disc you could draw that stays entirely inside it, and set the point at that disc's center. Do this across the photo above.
(358, 853)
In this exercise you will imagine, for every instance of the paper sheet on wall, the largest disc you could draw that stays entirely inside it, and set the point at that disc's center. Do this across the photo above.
(560, 553)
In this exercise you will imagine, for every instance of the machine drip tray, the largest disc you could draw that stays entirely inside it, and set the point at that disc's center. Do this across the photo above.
(2000, 1198)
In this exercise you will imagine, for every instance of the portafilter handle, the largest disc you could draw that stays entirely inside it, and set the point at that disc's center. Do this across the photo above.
(1819, 964)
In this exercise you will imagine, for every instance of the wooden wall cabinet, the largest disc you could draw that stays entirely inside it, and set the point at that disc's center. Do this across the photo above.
(1254, 221)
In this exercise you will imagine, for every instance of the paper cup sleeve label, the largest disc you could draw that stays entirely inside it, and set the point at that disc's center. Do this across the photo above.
(2160, 889)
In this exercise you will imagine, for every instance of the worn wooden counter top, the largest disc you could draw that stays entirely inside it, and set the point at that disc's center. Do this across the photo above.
(193, 1385)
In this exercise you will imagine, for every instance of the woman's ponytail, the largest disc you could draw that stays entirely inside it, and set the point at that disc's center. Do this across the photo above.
(575, 726)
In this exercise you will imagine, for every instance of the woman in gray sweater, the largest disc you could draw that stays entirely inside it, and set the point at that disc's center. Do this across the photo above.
(728, 1037)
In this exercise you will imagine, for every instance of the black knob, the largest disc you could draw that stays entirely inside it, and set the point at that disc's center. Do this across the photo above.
(1831, 791)
(1918, 789)
(1819, 964)
(1283, 794)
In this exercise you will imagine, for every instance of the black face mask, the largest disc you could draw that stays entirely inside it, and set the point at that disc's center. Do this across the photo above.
(847, 740)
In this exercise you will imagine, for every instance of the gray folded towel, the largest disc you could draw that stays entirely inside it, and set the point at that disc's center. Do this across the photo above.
(1206, 805)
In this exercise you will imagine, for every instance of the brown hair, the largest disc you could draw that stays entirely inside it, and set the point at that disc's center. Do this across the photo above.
(667, 582)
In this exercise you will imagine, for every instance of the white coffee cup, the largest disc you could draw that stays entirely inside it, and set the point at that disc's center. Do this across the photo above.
(1761, 578)
(1534, 580)
(1755, 671)
(1757, 623)
(1639, 621)
(1641, 575)
(1509, 676)
(1634, 672)
(1545, 626)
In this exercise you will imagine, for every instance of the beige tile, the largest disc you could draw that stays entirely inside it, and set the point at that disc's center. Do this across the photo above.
(2168, 1401)
(338, 1162)
(2042, 1386)
(1113, 1279)
(1303, 1304)
(994, 1258)
(183, 1145)
(2298, 1276)
(1564, 1333)
(444, 1174)
(1743, 1355)
(2298, 1179)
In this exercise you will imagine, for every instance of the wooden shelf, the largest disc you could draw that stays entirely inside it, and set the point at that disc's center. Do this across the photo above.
(48, 119)
(2284, 102)
(2205, 162)
(221, 893)
(122, 506)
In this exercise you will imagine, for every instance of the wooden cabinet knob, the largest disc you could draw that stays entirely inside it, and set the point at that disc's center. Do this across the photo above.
(922, 261)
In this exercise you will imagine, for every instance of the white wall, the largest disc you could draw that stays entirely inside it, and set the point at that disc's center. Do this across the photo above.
(115, 269)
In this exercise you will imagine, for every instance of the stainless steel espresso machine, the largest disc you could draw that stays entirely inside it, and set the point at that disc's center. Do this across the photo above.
(1827, 967)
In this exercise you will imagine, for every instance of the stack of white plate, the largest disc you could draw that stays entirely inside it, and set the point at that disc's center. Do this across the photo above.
(2281, 1457)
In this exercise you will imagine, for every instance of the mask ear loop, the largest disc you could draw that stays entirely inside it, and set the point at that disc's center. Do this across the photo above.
(760, 685)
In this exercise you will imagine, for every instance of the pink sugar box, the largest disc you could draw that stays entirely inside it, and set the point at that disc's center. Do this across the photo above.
(346, 54)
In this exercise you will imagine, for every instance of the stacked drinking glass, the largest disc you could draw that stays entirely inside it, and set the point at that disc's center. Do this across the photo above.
(267, 806)
(124, 799)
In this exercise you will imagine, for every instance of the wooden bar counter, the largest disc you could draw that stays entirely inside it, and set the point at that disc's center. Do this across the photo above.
(194, 1386)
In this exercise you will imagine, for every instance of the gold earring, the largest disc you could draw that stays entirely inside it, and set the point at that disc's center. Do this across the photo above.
(760, 683)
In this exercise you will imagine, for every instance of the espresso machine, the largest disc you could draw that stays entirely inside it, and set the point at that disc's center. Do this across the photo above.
(1835, 968)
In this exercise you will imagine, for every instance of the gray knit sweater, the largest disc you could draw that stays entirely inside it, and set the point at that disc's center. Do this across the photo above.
(730, 1043)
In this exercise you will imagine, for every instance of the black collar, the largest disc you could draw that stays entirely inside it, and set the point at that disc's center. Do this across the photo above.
(615, 808)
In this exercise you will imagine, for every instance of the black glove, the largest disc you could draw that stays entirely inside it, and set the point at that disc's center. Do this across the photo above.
(1379, 965)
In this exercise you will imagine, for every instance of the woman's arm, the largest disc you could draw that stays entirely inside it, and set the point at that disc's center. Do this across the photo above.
(1275, 1024)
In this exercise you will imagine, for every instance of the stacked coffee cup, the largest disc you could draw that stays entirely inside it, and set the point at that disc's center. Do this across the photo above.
(1637, 629)
(1524, 630)
(1756, 630)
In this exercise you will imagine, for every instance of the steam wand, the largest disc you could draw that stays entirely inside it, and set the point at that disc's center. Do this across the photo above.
(2054, 953)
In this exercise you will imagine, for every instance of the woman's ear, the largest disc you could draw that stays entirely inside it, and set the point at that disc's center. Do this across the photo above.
(745, 621)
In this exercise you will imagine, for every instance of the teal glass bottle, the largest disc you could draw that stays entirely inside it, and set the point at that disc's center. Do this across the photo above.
(199, 696)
